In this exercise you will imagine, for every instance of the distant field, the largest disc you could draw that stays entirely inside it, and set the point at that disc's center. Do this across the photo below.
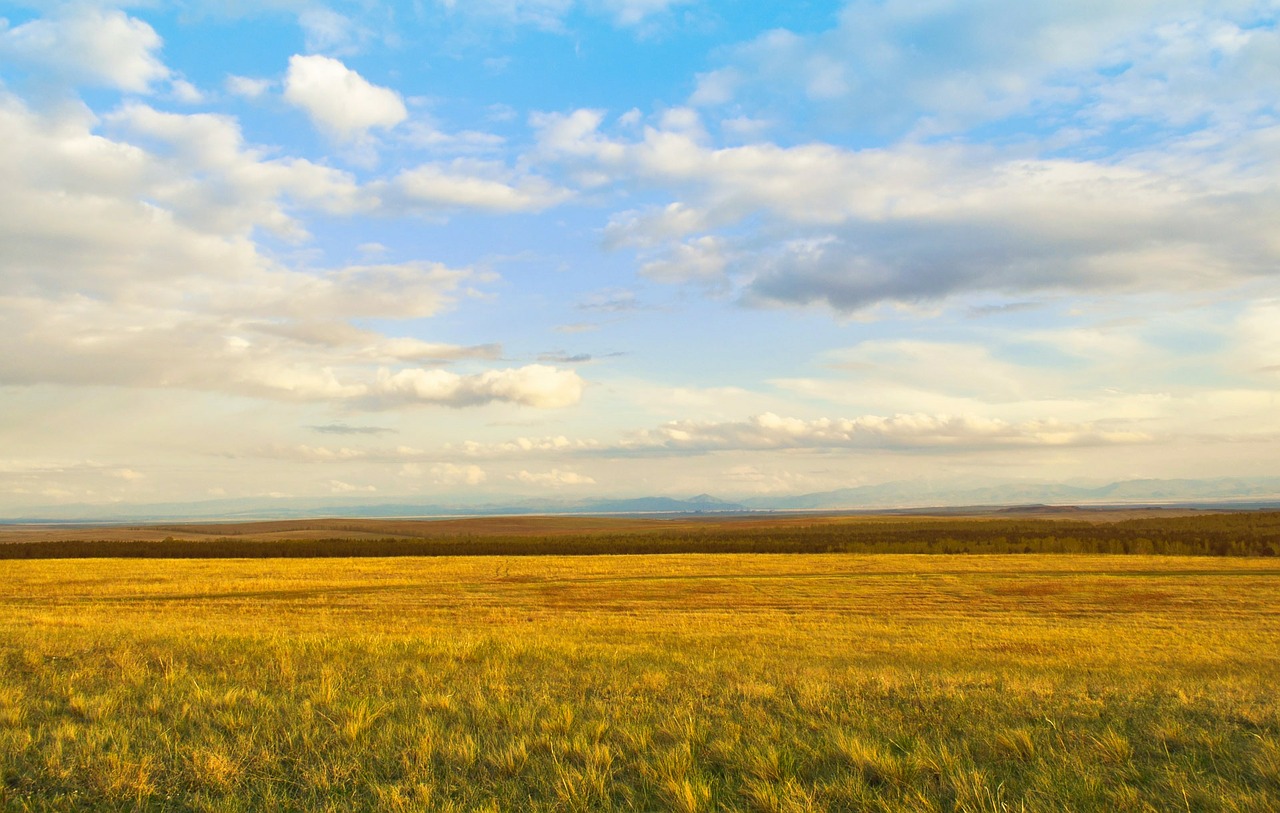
(690, 682)
(1243, 533)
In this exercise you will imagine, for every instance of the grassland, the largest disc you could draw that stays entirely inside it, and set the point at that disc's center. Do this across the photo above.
(1244, 533)
(661, 682)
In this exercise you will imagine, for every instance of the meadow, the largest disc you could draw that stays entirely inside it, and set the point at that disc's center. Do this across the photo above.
(1149, 531)
(750, 682)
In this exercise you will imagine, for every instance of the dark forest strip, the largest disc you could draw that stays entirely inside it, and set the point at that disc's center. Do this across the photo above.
(1230, 534)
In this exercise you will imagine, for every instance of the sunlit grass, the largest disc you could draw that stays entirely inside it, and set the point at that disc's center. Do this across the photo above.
(766, 683)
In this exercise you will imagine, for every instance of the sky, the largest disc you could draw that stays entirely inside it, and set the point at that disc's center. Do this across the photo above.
(455, 251)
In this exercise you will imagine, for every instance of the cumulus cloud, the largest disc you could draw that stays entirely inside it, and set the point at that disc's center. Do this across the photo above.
(916, 222)
(88, 45)
(699, 260)
(556, 444)
(206, 174)
(917, 218)
(135, 266)
(654, 227)
(534, 385)
(84, 214)
(306, 453)
(338, 100)
(87, 343)
(904, 432)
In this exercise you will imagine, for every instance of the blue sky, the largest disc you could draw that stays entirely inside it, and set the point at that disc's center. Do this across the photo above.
(458, 251)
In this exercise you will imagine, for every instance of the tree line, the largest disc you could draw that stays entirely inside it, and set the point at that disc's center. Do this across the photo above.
(1226, 534)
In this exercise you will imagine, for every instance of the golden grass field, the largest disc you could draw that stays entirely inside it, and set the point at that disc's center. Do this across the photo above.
(681, 682)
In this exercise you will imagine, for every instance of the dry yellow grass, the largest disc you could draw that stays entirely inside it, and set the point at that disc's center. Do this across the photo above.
(735, 682)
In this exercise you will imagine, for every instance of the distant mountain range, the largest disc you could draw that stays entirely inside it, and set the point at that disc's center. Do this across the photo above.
(906, 494)
(885, 496)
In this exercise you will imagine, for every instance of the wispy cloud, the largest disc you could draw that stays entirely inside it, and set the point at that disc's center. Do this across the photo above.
(346, 429)
(900, 432)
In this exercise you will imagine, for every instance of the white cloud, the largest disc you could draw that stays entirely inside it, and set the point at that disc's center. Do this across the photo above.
(423, 134)
(76, 341)
(653, 227)
(327, 31)
(550, 14)
(952, 368)
(450, 474)
(534, 385)
(634, 12)
(894, 67)
(715, 87)
(81, 213)
(556, 444)
(544, 14)
(396, 291)
(465, 184)
(185, 92)
(93, 46)
(555, 478)
(248, 86)
(850, 228)
(206, 174)
(700, 260)
(307, 453)
(339, 100)
(903, 431)
(136, 268)
(339, 487)
(1258, 338)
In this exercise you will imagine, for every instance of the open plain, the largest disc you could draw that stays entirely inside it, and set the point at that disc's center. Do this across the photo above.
(687, 682)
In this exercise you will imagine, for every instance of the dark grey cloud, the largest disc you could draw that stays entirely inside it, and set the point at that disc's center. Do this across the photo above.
(1041, 249)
